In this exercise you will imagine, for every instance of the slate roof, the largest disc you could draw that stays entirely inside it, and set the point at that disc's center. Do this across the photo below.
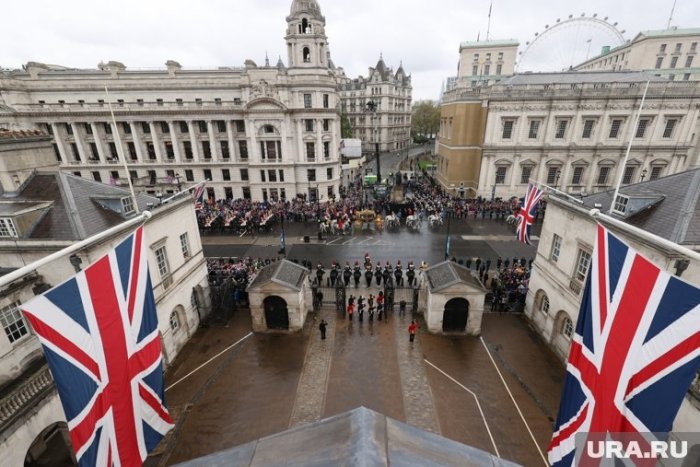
(670, 206)
(579, 77)
(74, 207)
(282, 272)
(449, 273)
(358, 437)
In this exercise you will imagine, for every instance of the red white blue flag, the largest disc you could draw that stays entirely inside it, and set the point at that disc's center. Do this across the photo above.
(198, 196)
(526, 215)
(634, 353)
(99, 331)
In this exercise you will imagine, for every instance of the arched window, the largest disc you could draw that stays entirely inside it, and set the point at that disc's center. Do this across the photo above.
(305, 26)
(544, 304)
(306, 54)
(567, 328)
(174, 321)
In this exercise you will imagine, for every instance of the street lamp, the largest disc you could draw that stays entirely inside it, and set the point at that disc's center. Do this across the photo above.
(448, 211)
(179, 187)
(372, 107)
(644, 174)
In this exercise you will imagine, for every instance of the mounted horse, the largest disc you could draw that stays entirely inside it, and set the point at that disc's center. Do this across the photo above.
(392, 223)
(413, 223)
(434, 221)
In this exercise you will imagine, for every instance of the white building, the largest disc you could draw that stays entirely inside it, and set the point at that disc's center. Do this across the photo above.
(669, 53)
(668, 207)
(389, 123)
(43, 210)
(256, 132)
(483, 63)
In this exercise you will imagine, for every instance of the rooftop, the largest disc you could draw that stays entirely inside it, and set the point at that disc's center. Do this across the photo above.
(281, 272)
(486, 44)
(670, 32)
(576, 77)
(448, 273)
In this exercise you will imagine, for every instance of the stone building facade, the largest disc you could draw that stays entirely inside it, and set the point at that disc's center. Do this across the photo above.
(389, 123)
(669, 53)
(568, 130)
(258, 132)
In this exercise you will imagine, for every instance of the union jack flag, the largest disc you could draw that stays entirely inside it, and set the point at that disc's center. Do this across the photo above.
(198, 196)
(635, 351)
(99, 331)
(526, 215)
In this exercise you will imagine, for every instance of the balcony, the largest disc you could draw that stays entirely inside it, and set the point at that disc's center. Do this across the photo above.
(575, 286)
(24, 394)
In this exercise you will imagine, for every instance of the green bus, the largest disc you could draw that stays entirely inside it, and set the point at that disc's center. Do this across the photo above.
(370, 180)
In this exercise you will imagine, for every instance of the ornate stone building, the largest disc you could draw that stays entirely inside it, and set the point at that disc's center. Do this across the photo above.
(390, 121)
(260, 132)
(568, 130)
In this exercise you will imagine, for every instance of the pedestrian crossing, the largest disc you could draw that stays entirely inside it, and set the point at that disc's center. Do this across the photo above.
(494, 238)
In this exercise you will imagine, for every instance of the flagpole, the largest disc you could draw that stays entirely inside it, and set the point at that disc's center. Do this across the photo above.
(549, 188)
(629, 148)
(166, 200)
(23, 271)
(121, 149)
(644, 235)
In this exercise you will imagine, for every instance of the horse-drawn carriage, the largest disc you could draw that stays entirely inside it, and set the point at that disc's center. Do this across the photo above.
(392, 223)
(413, 223)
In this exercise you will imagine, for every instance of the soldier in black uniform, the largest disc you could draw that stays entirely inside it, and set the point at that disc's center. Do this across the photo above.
(378, 274)
(398, 274)
(334, 274)
(347, 273)
(368, 275)
(356, 274)
(360, 307)
(411, 273)
(319, 274)
(388, 270)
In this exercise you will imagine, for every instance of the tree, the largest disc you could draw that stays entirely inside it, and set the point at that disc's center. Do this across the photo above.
(345, 127)
(425, 120)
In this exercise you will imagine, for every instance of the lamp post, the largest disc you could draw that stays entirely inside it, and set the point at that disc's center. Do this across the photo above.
(644, 174)
(372, 107)
(448, 211)
(179, 186)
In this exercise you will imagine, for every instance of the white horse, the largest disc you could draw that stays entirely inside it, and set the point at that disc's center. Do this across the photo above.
(512, 220)
(435, 221)
(392, 222)
(412, 222)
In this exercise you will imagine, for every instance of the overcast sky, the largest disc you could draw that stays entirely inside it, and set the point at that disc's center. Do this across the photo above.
(425, 35)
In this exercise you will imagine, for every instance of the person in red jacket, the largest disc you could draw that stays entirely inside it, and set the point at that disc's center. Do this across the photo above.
(351, 309)
(412, 328)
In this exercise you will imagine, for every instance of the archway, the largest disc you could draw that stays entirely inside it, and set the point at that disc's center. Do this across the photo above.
(454, 318)
(276, 314)
(51, 447)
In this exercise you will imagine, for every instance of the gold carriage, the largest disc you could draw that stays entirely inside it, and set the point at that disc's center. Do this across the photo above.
(364, 220)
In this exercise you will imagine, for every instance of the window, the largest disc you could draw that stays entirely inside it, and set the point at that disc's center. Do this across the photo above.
(189, 175)
(221, 126)
(326, 150)
(202, 126)
(326, 124)
(487, 69)
(174, 321)
(7, 228)
(146, 128)
(508, 128)
(499, 69)
(544, 304)
(311, 175)
(217, 101)
(587, 129)
(228, 192)
(281, 172)
(674, 62)
(246, 192)
(534, 129)
(678, 48)
(244, 175)
(127, 205)
(615, 128)
(240, 126)
(689, 61)
(556, 248)
(310, 151)
(162, 262)
(309, 124)
(225, 154)
(329, 174)
(693, 46)
(567, 328)
(183, 127)
(185, 244)
(159, 102)
(13, 322)
(226, 174)
(187, 146)
(628, 176)
(501, 175)
(307, 101)
(525, 174)
(126, 127)
(656, 172)
(96, 176)
(179, 102)
(476, 57)
(325, 101)
(475, 70)
(583, 261)
(577, 176)
(603, 175)
(620, 204)
(662, 48)
(243, 149)
(262, 176)
(207, 174)
(272, 175)
(670, 125)
(553, 176)
(642, 127)
(561, 129)
(330, 192)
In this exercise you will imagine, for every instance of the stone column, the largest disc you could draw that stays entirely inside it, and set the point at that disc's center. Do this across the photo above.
(137, 141)
(174, 140)
(99, 143)
(564, 176)
(593, 175)
(319, 140)
(232, 149)
(514, 176)
(301, 145)
(60, 143)
(156, 142)
(541, 168)
(213, 141)
(79, 142)
(194, 141)
(485, 182)
(254, 155)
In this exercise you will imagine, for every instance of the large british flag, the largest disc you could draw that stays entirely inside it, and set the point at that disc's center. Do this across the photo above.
(526, 215)
(635, 351)
(198, 196)
(99, 331)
